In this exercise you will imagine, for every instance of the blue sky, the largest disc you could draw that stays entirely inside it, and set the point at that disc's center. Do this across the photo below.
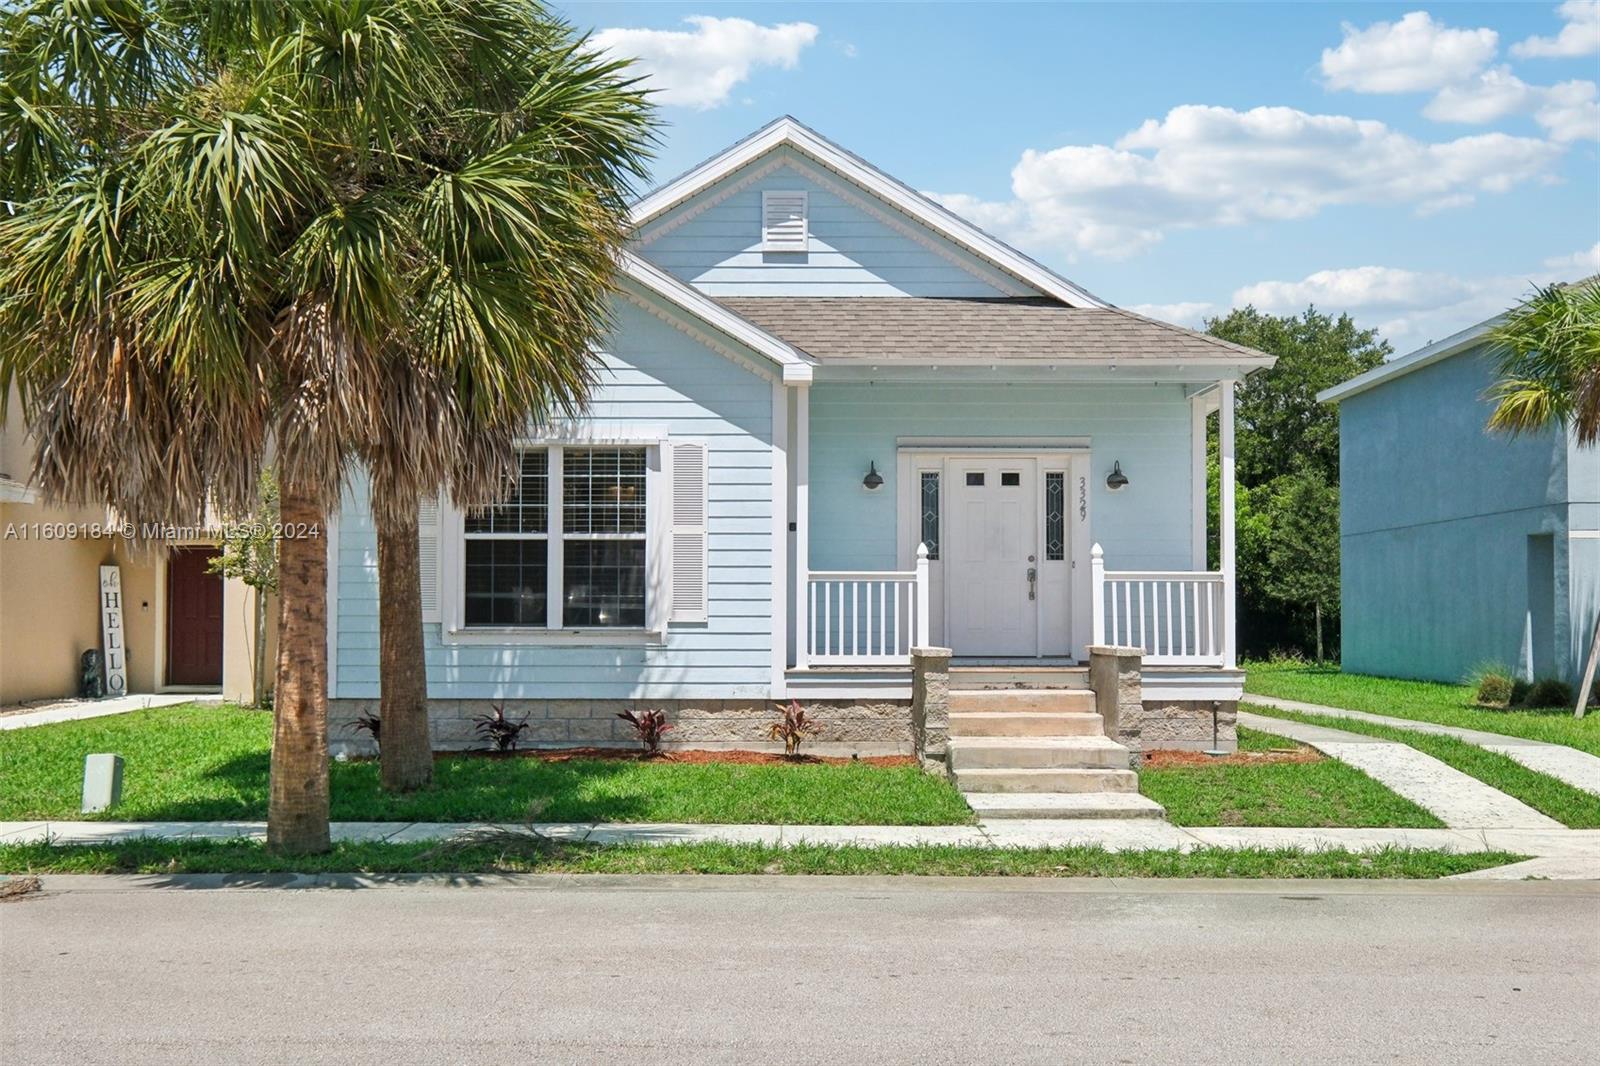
(1415, 165)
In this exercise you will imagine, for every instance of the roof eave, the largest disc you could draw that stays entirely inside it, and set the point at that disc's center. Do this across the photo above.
(1411, 361)
(793, 366)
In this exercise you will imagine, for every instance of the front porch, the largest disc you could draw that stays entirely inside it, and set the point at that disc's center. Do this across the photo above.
(1001, 559)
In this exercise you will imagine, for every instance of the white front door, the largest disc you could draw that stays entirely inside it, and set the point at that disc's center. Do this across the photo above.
(991, 561)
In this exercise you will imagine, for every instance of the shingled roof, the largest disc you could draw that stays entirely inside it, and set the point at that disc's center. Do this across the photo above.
(925, 331)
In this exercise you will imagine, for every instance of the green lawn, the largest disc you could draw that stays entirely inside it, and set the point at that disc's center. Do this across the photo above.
(165, 857)
(1423, 701)
(198, 763)
(1572, 807)
(1318, 794)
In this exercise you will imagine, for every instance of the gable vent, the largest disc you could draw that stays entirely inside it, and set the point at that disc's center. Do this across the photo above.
(783, 221)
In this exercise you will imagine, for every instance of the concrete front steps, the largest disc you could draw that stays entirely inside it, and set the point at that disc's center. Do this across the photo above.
(1040, 753)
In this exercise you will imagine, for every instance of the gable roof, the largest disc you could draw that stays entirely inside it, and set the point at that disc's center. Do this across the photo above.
(790, 364)
(926, 331)
(937, 218)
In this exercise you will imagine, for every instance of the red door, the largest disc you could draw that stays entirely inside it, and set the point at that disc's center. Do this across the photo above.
(194, 618)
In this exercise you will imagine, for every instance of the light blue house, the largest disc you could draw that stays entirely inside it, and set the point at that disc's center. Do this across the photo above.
(1459, 547)
(814, 370)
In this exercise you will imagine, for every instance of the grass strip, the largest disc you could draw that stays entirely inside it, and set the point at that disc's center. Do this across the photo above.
(1321, 794)
(1422, 701)
(166, 857)
(1572, 807)
(205, 763)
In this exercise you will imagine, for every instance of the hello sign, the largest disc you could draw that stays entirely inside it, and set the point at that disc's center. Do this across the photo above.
(111, 638)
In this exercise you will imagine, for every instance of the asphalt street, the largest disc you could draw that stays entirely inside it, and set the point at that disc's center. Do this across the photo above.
(840, 970)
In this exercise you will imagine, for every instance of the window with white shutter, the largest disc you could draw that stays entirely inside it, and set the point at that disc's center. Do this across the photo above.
(690, 592)
(783, 221)
(428, 556)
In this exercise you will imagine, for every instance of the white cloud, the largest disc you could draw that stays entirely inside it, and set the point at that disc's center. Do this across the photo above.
(1577, 265)
(1568, 111)
(1415, 54)
(1579, 37)
(1492, 95)
(1214, 166)
(700, 68)
(1409, 307)
(1191, 314)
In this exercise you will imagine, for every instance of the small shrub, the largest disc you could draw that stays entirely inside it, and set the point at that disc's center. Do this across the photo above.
(499, 730)
(649, 725)
(369, 724)
(1519, 692)
(1549, 692)
(793, 728)
(1494, 690)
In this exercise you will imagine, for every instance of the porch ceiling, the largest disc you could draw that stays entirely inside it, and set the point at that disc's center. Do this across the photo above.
(912, 331)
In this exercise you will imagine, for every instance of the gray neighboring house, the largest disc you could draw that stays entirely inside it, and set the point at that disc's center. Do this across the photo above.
(1460, 547)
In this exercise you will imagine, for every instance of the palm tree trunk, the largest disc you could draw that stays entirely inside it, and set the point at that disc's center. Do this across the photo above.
(406, 754)
(297, 812)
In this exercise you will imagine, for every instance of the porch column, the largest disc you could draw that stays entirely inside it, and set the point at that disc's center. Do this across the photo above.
(1230, 655)
(800, 463)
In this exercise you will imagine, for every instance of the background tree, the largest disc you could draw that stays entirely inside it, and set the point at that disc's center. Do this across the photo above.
(1302, 552)
(227, 222)
(250, 553)
(1287, 447)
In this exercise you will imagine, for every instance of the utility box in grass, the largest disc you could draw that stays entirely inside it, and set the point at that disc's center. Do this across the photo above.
(102, 782)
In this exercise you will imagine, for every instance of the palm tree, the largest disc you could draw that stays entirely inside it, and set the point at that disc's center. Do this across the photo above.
(230, 227)
(1549, 362)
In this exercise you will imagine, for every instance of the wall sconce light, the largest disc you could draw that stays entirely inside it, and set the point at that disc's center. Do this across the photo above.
(1116, 481)
(874, 480)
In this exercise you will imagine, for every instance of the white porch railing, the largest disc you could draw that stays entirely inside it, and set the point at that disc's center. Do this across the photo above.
(866, 617)
(1179, 618)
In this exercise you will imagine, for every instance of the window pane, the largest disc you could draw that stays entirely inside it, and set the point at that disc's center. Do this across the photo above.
(1011, 479)
(930, 512)
(604, 583)
(527, 508)
(603, 490)
(506, 582)
(1055, 516)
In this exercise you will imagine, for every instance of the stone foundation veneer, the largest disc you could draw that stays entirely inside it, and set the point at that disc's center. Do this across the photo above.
(1116, 676)
(850, 727)
(930, 705)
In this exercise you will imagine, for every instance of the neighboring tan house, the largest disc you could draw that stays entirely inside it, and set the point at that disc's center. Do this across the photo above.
(814, 370)
(1460, 548)
(184, 628)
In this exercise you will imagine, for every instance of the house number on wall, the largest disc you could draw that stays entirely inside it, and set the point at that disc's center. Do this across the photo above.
(1083, 498)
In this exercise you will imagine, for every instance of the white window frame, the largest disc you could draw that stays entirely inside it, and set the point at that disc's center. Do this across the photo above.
(658, 494)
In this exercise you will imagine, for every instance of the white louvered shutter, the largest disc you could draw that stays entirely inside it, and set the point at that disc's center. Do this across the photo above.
(690, 594)
(783, 221)
(428, 556)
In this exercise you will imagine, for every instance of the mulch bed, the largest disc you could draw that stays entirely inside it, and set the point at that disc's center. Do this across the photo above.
(740, 758)
(1164, 758)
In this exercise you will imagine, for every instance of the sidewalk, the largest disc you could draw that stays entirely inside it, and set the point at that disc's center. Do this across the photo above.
(1575, 847)
(1577, 768)
(1458, 800)
(77, 710)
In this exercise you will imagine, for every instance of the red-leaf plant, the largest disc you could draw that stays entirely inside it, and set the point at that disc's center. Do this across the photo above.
(792, 728)
(649, 725)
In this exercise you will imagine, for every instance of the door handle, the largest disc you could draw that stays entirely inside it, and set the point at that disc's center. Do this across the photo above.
(1033, 582)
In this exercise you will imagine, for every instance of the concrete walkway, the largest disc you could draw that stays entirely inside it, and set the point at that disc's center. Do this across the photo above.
(1577, 768)
(1458, 800)
(1572, 845)
(77, 710)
